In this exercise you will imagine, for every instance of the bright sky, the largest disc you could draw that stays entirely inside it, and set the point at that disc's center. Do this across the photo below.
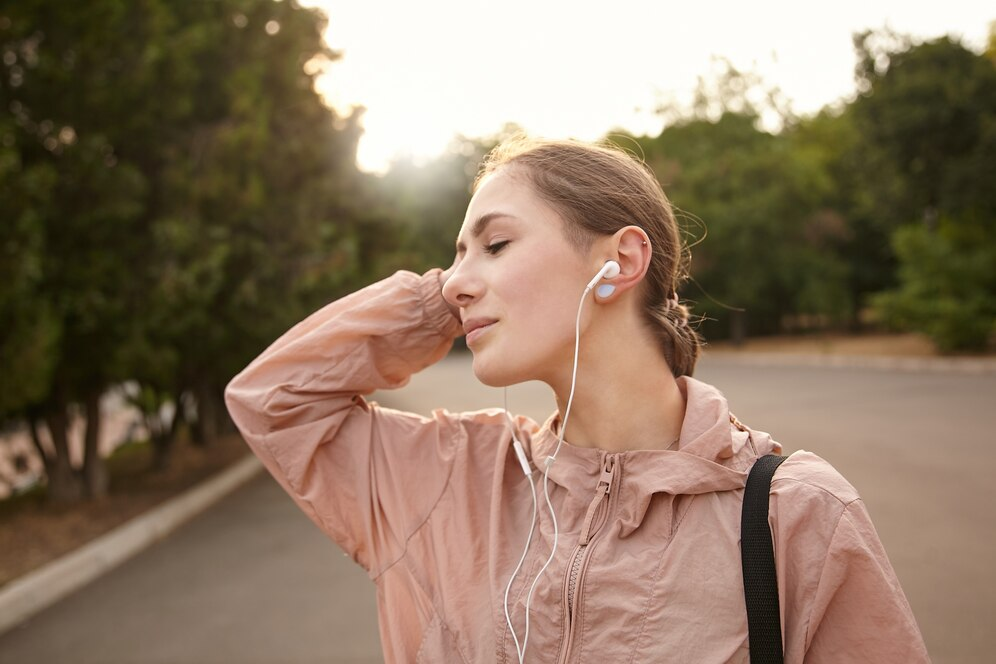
(427, 71)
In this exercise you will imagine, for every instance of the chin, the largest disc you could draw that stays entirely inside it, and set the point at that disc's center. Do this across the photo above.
(502, 375)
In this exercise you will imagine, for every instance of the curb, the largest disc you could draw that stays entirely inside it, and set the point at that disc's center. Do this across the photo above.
(39, 589)
(960, 365)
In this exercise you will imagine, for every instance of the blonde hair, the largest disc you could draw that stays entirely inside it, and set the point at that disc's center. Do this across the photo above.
(599, 189)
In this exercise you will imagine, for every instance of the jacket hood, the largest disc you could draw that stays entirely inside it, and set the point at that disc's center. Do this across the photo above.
(714, 453)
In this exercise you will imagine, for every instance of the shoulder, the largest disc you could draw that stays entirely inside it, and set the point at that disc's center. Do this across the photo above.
(806, 474)
(809, 501)
(485, 418)
(486, 427)
(809, 497)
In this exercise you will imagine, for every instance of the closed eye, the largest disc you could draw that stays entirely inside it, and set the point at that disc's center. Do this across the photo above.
(495, 247)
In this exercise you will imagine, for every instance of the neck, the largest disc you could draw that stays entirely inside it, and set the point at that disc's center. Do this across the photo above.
(626, 397)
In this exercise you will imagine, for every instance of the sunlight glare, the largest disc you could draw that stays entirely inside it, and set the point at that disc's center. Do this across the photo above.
(427, 72)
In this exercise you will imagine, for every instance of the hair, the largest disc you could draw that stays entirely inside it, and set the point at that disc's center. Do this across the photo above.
(599, 189)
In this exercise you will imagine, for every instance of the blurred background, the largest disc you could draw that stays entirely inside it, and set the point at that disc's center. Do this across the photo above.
(180, 182)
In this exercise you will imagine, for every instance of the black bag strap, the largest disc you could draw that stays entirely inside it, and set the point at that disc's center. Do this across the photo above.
(764, 626)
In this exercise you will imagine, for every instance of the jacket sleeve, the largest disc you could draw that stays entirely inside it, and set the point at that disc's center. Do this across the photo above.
(367, 476)
(859, 611)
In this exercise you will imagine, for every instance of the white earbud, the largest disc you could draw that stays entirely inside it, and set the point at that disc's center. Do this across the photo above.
(609, 270)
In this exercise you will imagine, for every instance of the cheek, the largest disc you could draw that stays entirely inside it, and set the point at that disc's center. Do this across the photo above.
(534, 295)
(545, 311)
(539, 316)
(539, 296)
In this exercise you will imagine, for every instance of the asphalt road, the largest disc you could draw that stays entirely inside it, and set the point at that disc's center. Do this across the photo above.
(252, 580)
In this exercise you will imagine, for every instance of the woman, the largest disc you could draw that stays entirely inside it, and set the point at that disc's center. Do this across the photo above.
(635, 552)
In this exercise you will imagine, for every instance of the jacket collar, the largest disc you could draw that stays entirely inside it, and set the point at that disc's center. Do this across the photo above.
(714, 453)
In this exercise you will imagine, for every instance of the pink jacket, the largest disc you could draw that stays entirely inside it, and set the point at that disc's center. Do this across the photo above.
(437, 511)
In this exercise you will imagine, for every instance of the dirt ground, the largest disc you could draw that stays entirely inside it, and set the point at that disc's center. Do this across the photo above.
(900, 345)
(33, 533)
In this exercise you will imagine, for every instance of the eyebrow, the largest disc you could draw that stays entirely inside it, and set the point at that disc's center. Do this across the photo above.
(479, 225)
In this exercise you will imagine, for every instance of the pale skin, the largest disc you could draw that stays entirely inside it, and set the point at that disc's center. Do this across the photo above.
(516, 283)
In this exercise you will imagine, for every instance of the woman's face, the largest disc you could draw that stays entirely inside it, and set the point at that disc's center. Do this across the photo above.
(517, 283)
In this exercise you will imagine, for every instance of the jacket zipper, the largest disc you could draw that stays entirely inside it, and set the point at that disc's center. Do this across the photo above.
(593, 521)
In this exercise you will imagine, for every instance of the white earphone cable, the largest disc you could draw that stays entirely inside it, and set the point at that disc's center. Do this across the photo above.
(546, 474)
(532, 526)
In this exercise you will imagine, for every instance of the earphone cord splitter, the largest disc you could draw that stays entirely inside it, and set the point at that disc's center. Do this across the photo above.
(546, 493)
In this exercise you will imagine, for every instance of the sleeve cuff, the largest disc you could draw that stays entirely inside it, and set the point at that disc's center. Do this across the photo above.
(437, 311)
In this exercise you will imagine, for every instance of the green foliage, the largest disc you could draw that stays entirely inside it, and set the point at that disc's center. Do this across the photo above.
(178, 193)
(947, 287)
(761, 235)
(928, 118)
(861, 237)
(30, 330)
(251, 213)
(796, 227)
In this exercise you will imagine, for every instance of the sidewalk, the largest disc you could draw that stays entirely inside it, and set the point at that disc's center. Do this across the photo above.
(249, 581)
(42, 587)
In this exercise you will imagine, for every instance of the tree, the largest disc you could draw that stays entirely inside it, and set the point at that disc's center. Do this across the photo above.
(924, 114)
(927, 116)
(755, 210)
(254, 216)
(90, 203)
(947, 290)
(179, 194)
(859, 237)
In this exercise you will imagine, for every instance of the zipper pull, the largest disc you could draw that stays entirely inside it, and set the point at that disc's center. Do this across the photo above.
(608, 470)
(601, 491)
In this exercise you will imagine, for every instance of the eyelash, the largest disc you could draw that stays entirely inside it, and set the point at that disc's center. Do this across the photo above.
(495, 247)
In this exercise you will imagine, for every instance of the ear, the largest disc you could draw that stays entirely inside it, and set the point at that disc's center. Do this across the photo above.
(630, 247)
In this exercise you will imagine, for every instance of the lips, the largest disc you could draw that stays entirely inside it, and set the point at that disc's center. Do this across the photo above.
(475, 327)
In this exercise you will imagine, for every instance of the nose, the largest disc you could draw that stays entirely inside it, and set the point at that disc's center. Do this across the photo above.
(463, 286)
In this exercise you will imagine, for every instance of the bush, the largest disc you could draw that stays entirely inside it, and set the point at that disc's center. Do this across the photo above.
(947, 287)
